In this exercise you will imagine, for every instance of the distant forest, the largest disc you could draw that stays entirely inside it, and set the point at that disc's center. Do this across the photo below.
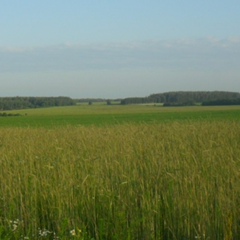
(13, 103)
(188, 98)
(180, 98)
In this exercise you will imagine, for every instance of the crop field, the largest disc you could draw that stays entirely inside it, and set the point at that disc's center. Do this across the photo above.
(116, 172)
(103, 115)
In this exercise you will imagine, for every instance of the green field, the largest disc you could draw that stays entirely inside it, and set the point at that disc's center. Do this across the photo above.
(103, 115)
(120, 173)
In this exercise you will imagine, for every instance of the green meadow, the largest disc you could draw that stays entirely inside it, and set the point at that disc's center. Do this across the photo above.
(117, 172)
(103, 115)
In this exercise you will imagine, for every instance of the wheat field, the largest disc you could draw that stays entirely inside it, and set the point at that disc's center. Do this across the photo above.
(171, 181)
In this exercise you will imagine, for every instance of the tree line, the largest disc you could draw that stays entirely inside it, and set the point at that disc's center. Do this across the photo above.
(187, 98)
(14, 103)
(222, 102)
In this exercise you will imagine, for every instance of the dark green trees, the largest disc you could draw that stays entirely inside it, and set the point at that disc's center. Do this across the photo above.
(186, 98)
(11, 103)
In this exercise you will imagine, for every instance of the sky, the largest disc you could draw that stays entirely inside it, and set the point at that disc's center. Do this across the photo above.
(117, 49)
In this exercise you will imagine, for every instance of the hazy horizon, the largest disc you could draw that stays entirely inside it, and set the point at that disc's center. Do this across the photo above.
(118, 49)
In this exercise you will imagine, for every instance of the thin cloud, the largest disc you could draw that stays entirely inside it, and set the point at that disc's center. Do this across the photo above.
(182, 53)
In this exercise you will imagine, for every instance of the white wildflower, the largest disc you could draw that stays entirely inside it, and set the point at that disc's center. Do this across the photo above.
(73, 232)
(14, 224)
(44, 232)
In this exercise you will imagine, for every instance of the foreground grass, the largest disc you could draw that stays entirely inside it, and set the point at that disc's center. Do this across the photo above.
(176, 180)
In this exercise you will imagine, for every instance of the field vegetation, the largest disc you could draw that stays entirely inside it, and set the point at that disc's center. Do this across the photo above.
(100, 114)
(120, 172)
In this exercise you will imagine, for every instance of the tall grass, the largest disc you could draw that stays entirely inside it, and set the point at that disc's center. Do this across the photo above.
(160, 181)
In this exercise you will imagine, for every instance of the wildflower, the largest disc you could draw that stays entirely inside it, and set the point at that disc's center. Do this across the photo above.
(73, 232)
(14, 224)
(44, 232)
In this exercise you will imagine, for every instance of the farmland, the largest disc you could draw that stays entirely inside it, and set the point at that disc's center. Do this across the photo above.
(120, 172)
(103, 115)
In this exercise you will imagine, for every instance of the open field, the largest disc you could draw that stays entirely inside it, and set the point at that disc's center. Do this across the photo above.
(103, 115)
(120, 172)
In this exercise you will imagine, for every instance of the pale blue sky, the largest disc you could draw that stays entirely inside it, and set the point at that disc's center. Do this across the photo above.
(114, 49)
